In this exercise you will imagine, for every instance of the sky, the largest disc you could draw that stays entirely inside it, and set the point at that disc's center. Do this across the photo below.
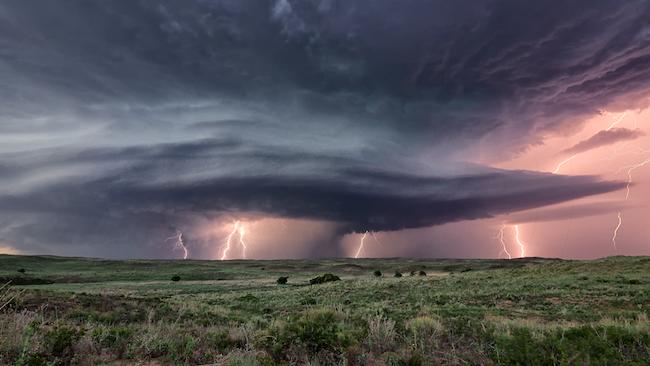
(227, 129)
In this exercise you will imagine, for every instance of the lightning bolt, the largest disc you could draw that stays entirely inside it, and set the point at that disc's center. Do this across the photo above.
(617, 121)
(612, 125)
(620, 222)
(237, 228)
(363, 238)
(376, 238)
(242, 232)
(179, 244)
(522, 245)
(630, 169)
(503, 242)
(504, 247)
(561, 164)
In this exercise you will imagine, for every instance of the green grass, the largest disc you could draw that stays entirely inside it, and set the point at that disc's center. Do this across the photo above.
(517, 312)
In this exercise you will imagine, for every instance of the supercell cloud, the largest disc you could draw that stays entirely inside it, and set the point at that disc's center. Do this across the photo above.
(123, 121)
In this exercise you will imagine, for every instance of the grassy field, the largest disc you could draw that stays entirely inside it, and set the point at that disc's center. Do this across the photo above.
(462, 312)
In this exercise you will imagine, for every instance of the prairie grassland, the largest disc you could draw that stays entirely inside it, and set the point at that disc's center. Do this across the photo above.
(493, 312)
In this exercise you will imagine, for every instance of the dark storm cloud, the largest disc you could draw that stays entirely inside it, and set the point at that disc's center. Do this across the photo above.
(132, 204)
(604, 138)
(431, 68)
(128, 119)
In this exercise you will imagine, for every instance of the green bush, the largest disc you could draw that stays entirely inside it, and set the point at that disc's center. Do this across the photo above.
(176, 278)
(327, 277)
(422, 273)
(282, 280)
(115, 339)
(398, 274)
(32, 359)
(222, 341)
(377, 273)
(59, 341)
(22, 270)
(315, 330)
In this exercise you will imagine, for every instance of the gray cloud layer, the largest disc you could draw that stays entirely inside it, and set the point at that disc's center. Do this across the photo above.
(124, 120)
(604, 138)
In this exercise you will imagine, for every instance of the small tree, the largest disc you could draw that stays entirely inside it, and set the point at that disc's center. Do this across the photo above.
(377, 273)
(282, 280)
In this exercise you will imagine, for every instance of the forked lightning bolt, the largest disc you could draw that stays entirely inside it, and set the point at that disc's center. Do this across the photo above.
(362, 242)
(180, 244)
(238, 228)
(520, 243)
(630, 169)
(504, 247)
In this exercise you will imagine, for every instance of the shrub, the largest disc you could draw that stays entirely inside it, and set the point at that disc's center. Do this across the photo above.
(282, 280)
(22, 270)
(319, 330)
(422, 331)
(222, 341)
(59, 341)
(327, 277)
(398, 274)
(377, 273)
(413, 273)
(176, 278)
(422, 273)
(32, 359)
(116, 338)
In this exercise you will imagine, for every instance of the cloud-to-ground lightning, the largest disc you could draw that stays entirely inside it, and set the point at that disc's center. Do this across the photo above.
(630, 169)
(237, 228)
(180, 244)
(504, 247)
(522, 245)
(375, 237)
(518, 241)
(618, 226)
(363, 238)
(362, 242)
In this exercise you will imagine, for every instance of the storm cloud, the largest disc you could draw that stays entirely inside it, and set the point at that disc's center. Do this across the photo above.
(604, 138)
(123, 121)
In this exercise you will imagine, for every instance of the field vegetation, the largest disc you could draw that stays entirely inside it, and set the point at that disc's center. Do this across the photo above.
(60, 311)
